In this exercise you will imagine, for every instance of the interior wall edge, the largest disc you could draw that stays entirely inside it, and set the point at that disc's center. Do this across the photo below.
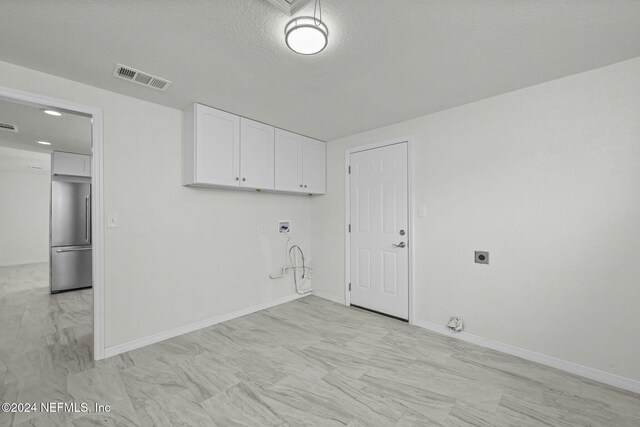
(329, 297)
(588, 372)
(191, 327)
(598, 375)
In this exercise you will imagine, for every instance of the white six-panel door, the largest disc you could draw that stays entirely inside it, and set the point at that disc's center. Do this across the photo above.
(379, 258)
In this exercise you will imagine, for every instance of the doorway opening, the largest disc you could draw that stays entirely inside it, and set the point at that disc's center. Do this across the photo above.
(51, 265)
(378, 215)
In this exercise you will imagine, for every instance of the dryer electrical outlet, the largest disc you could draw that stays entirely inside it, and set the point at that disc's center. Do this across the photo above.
(482, 257)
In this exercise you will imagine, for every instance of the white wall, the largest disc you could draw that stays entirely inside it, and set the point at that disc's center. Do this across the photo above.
(547, 179)
(180, 255)
(24, 207)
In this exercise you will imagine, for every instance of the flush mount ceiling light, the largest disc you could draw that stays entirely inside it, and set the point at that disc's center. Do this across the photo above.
(307, 35)
(51, 112)
(44, 143)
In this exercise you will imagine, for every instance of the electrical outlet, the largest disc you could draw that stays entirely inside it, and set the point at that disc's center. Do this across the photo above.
(482, 257)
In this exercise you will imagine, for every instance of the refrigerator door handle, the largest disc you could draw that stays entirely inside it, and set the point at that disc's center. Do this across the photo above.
(87, 217)
(73, 250)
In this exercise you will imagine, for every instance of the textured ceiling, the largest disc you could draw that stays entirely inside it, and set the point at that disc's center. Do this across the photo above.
(68, 133)
(386, 61)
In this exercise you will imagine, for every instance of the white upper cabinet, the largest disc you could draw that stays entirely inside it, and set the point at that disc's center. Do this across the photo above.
(224, 150)
(211, 147)
(300, 164)
(288, 168)
(314, 176)
(70, 164)
(256, 155)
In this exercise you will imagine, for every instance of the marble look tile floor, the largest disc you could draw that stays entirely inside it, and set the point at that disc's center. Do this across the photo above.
(310, 362)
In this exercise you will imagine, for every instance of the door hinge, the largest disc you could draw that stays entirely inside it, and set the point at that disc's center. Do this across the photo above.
(349, 169)
(349, 228)
(349, 287)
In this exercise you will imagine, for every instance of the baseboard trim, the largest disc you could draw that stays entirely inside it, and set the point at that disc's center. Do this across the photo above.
(554, 362)
(329, 297)
(26, 263)
(181, 330)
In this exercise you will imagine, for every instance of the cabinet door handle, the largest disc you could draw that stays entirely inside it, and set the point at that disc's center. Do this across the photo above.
(300, 185)
(305, 186)
(244, 179)
(237, 178)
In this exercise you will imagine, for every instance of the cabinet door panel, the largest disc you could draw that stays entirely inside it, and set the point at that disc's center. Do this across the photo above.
(71, 164)
(313, 166)
(256, 155)
(218, 147)
(288, 167)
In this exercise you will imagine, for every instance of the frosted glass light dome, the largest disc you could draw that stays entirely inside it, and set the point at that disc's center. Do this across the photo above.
(306, 35)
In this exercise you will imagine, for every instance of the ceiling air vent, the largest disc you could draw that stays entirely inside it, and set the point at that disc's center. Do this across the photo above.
(9, 127)
(140, 77)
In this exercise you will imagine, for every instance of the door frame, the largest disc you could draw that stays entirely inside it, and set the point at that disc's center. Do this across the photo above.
(347, 210)
(97, 198)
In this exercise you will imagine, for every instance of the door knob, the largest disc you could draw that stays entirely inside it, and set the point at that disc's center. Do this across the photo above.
(401, 245)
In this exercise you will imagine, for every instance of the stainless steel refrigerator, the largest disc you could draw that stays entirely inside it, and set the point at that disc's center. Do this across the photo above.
(70, 234)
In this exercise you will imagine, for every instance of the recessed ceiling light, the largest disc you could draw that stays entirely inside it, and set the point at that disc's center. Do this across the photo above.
(51, 112)
(307, 35)
(44, 142)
